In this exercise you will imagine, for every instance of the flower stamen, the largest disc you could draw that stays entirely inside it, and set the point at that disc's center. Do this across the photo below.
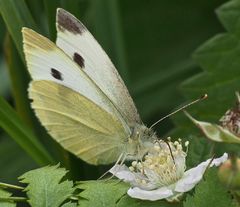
(163, 165)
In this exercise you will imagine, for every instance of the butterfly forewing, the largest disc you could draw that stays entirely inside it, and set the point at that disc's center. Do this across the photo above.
(46, 61)
(75, 40)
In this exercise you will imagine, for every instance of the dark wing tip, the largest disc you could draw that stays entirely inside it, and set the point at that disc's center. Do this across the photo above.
(66, 21)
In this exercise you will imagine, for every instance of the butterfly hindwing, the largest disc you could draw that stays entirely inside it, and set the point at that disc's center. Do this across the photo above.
(77, 123)
(76, 41)
(48, 63)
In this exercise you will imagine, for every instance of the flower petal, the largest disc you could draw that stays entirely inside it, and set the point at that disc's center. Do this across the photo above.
(151, 195)
(122, 172)
(218, 161)
(193, 176)
(214, 131)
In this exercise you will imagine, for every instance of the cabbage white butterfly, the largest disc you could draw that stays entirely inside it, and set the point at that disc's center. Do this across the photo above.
(79, 96)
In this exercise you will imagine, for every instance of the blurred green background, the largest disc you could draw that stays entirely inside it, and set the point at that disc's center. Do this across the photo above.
(150, 42)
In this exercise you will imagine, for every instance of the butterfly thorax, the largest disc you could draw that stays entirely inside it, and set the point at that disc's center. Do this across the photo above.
(140, 141)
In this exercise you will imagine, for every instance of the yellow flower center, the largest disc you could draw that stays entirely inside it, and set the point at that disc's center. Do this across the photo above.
(163, 165)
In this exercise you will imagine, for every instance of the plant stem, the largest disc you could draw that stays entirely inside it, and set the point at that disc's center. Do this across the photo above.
(15, 199)
(5, 185)
(74, 198)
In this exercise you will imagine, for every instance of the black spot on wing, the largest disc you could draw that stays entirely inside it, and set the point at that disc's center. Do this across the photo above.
(67, 21)
(78, 59)
(56, 74)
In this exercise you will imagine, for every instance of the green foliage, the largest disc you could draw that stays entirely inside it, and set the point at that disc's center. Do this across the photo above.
(127, 201)
(145, 59)
(51, 7)
(199, 150)
(101, 193)
(4, 79)
(219, 59)
(164, 61)
(150, 43)
(210, 193)
(16, 15)
(4, 195)
(22, 134)
(19, 81)
(69, 204)
(113, 26)
(15, 163)
(46, 187)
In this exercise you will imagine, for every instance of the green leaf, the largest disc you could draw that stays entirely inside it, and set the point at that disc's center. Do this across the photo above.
(219, 59)
(69, 204)
(209, 193)
(5, 195)
(16, 15)
(23, 135)
(46, 186)
(154, 70)
(215, 132)
(101, 193)
(198, 150)
(229, 16)
(158, 46)
(4, 79)
(217, 54)
(127, 201)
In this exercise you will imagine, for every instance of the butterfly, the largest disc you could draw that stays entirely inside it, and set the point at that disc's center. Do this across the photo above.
(80, 98)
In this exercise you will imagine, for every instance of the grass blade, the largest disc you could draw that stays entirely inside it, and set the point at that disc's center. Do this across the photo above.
(50, 8)
(13, 125)
(19, 81)
(16, 15)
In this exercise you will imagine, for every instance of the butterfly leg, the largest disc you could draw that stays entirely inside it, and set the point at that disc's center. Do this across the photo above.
(118, 160)
(121, 163)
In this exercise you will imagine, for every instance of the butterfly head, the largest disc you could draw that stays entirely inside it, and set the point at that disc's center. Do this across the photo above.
(141, 140)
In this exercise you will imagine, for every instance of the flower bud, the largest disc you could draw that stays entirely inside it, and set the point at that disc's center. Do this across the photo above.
(231, 119)
(229, 174)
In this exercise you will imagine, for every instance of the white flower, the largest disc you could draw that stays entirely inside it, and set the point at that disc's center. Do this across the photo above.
(161, 174)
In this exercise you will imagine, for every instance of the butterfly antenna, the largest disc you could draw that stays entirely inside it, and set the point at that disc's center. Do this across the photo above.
(180, 109)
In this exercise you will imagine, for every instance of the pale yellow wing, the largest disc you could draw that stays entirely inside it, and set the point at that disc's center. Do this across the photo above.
(45, 61)
(77, 123)
(76, 41)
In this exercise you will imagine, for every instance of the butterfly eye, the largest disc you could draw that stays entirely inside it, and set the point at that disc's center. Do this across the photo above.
(56, 74)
